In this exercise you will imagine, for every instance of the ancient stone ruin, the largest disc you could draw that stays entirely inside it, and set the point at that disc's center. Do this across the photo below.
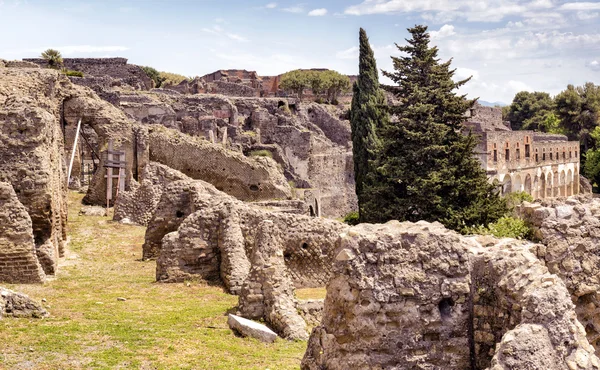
(419, 296)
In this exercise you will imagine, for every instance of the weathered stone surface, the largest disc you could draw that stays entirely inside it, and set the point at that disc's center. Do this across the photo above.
(19, 305)
(92, 211)
(570, 232)
(18, 259)
(268, 291)
(407, 295)
(585, 186)
(31, 151)
(248, 328)
(245, 178)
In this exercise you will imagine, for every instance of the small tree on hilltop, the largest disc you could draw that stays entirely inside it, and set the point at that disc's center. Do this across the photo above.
(426, 167)
(53, 57)
(295, 81)
(366, 116)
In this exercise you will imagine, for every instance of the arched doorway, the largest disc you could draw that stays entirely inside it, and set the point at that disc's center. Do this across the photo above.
(506, 185)
(542, 192)
(549, 185)
(517, 184)
(563, 184)
(528, 189)
(556, 185)
(569, 183)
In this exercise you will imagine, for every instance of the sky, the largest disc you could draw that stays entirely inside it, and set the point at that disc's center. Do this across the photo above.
(506, 46)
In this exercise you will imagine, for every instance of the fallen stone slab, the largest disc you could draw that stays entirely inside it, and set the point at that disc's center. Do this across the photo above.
(96, 211)
(249, 328)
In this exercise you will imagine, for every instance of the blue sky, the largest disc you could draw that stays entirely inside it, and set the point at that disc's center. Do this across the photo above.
(506, 45)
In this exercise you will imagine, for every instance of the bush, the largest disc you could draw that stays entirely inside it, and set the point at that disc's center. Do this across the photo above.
(171, 78)
(516, 198)
(505, 227)
(71, 73)
(351, 218)
(261, 153)
(154, 75)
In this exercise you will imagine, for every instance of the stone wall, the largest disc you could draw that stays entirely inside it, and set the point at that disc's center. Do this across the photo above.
(31, 152)
(196, 227)
(116, 68)
(407, 295)
(245, 178)
(18, 259)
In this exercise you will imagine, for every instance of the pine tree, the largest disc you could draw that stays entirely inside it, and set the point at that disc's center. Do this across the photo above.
(366, 116)
(425, 167)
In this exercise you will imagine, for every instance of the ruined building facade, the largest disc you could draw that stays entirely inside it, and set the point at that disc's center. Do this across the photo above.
(543, 165)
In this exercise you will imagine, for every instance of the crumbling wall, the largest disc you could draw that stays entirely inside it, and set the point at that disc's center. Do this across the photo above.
(18, 259)
(205, 229)
(407, 295)
(570, 232)
(245, 178)
(31, 152)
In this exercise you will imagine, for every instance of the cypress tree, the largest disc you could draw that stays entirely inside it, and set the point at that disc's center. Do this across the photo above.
(366, 116)
(425, 167)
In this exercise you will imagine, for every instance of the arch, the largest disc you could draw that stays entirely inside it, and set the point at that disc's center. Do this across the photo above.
(542, 193)
(549, 184)
(536, 187)
(517, 183)
(527, 185)
(555, 185)
(562, 184)
(506, 184)
(569, 183)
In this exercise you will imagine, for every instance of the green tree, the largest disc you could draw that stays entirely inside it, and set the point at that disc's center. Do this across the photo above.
(426, 168)
(295, 81)
(53, 57)
(578, 109)
(528, 109)
(335, 84)
(154, 76)
(591, 168)
(367, 114)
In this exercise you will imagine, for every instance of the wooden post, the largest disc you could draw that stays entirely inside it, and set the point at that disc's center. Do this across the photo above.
(109, 174)
(73, 152)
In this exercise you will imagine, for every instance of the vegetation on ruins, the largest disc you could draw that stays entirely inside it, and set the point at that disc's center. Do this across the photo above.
(261, 153)
(510, 225)
(325, 85)
(72, 73)
(425, 168)
(53, 57)
(368, 113)
(168, 78)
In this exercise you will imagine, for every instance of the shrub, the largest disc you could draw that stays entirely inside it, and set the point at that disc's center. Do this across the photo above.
(505, 227)
(154, 75)
(71, 73)
(261, 153)
(351, 218)
(171, 78)
(516, 198)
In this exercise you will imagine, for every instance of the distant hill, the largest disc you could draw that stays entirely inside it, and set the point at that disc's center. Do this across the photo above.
(494, 104)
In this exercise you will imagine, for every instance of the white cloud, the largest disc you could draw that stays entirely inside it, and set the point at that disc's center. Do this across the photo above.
(580, 6)
(218, 30)
(517, 86)
(464, 73)
(271, 6)
(318, 12)
(351, 53)
(594, 65)
(584, 16)
(445, 31)
(294, 9)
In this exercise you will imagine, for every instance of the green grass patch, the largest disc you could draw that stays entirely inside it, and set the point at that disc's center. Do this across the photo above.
(261, 153)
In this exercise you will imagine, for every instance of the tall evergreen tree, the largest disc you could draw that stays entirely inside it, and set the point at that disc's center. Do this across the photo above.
(366, 116)
(426, 168)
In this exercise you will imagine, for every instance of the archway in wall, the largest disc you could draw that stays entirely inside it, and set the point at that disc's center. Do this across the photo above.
(518, 183)
(542, 193)
(549, 185)
(569, 183)
(506, 185)
(556, 185)
(563, 184)
(527, 185)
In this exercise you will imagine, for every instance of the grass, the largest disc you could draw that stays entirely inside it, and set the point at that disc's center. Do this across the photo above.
(261, 153)
(159, 326)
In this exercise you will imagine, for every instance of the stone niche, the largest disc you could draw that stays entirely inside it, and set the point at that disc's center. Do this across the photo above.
(417, 296)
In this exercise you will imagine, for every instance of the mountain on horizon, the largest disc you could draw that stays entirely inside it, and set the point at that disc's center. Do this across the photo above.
(494, 104)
